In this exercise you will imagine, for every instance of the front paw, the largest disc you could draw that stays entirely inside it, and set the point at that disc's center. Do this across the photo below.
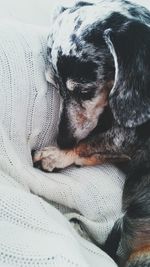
(50, 158)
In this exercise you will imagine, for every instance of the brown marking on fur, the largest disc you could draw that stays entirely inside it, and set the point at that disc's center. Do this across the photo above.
(81, 118)
(110, 85)
(142, 251)
(81, 149)
(98, 159)
(92, 160)
(82, 156)
(104, 99)
(104, 94)
(89, 161)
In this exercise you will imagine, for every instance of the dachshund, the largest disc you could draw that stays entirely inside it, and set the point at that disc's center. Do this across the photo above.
(99, 60)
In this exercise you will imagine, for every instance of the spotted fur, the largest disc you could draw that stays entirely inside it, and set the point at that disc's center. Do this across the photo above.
(99, 60)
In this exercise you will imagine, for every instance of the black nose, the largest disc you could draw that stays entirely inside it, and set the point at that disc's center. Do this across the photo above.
(65, 137)
(65, 141)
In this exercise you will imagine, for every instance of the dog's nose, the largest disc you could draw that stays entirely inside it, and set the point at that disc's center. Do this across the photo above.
(66, 141)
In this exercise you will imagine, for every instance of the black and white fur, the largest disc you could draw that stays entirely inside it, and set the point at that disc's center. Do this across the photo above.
(99, 60)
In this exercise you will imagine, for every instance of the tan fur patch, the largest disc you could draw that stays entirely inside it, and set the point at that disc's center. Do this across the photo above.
(142, 251)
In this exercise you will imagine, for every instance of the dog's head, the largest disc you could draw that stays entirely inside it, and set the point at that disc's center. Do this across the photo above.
(100, 54)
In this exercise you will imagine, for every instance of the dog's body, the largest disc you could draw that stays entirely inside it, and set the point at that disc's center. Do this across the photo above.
(99, 59)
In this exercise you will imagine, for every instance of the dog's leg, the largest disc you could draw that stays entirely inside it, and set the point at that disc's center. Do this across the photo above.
(92, 151)
(135, 238)
(133, 229)
(52, 157)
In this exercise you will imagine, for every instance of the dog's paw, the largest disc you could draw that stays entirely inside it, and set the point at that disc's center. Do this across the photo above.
(50, 158)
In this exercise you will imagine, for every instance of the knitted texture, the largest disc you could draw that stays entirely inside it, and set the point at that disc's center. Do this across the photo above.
(32, 231)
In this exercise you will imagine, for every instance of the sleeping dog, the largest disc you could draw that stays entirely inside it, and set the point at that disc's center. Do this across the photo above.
(99, 60)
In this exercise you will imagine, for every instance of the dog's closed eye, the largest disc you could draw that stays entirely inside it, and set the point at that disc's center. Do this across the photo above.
(83, 93)
(87, 93)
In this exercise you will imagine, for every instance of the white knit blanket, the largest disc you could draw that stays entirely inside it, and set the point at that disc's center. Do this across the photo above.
(32, 231)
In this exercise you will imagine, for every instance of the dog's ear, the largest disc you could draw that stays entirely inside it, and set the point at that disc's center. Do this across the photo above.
(130, 95)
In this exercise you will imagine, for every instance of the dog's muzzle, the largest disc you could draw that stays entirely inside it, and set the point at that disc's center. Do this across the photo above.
(65, 138)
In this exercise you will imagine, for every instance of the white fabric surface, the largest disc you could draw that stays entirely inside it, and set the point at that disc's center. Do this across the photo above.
(32, 232)
(35, 12)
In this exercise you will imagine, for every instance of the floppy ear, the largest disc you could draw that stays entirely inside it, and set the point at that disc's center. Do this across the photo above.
(130, 95)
